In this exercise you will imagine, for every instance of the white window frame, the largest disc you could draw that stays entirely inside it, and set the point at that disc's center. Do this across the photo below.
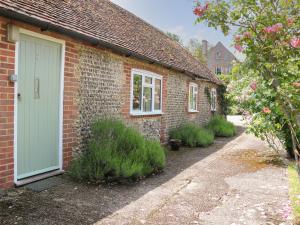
(217, 70)
(193, 85)
(154, 76)
(213, 96)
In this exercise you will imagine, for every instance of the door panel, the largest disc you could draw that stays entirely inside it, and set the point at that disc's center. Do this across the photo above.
(38, 106)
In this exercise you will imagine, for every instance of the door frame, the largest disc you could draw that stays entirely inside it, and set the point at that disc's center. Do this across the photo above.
(61, 96)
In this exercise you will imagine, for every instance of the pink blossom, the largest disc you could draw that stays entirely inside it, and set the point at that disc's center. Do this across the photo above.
(290, 21)
(237, 38)
(247, 34)
(296, 84)
(284, 43)
(200, 10)
(238, 47)
(266, 110)
(253, 86)
(273, 29)
(295, 42)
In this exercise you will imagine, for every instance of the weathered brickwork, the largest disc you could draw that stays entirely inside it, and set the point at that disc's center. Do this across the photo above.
(96, 85)
(70, 112)
(220, 57)
(7, 65)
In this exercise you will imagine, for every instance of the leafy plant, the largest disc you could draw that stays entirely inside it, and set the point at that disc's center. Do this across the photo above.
(221, 127)
(192, 135)
(266, 85)
(115, 153)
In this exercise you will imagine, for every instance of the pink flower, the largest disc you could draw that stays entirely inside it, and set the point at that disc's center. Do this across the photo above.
(253, 86)
(273, 29)
(200, 10)
(290, 21)
(295, 42)
(247, 34)
(266, 110)
(237, 38)
(284, 43)
(296, 84)
(238, 47)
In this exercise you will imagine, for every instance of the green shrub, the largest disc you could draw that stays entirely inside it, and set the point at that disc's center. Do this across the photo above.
(116, 152)
(221, 127)
(192, 135)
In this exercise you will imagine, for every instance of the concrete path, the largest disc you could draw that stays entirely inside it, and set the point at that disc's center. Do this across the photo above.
(242, 183)
(233, 182)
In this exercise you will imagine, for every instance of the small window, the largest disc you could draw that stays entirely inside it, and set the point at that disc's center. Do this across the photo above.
(213, 97)
(218, 70)
(193, 96)
(146, 93)
(218, 55)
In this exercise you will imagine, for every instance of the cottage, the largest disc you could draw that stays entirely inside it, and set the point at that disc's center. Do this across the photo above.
(65, 63)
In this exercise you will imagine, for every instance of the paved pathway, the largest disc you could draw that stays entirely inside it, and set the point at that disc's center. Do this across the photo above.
(243, 183)
(236, 181)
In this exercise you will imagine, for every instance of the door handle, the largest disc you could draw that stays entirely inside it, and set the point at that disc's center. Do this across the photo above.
(36, 88)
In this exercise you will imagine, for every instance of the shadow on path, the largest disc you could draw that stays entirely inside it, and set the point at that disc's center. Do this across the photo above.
(74, 203)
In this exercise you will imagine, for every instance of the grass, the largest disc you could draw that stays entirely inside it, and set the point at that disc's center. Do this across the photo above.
(192, 135)
(117, 153)
(221, 127)
(294, 191)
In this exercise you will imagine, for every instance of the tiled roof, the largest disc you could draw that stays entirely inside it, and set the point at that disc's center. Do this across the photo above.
(111, 24)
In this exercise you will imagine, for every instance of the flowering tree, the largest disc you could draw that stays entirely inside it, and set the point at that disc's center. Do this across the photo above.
(268, 33)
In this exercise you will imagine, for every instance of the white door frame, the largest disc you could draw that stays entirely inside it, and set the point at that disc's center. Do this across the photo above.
(61, 96)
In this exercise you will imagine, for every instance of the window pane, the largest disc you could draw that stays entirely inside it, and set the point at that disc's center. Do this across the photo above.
(192, 98)
(148, 80)
(137, 92)
(147, 105)
(157, 97)
(195, 99)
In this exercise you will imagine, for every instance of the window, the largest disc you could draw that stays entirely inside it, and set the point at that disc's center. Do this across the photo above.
(218, 55)
(193, 93)
(218, 70)
(146, 93)
(213, 98)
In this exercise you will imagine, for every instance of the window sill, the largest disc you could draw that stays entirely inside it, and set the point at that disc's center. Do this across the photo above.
(193, 111)
(147, 114)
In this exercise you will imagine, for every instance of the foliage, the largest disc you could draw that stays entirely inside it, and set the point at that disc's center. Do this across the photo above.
(208, 96)
(294, 191)
(223, 101)
(221, 127)
(195, 47)
(116, 152)
(175, 37)
(192, 135)
(266, 85)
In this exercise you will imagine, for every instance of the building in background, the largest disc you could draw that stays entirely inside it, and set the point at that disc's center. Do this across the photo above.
(219, 58)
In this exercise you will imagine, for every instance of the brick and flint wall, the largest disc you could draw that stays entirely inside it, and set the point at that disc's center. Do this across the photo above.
(96, 85)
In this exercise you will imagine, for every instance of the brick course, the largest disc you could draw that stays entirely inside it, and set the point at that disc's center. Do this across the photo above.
(7, 60)
(96, 85)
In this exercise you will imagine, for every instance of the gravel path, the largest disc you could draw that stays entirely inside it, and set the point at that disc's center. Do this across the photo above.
(236, 181)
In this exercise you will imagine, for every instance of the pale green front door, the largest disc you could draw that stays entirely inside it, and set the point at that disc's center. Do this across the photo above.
(38, 106)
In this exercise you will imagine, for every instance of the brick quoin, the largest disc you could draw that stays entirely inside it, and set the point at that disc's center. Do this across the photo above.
(70, 112)
(7, 60)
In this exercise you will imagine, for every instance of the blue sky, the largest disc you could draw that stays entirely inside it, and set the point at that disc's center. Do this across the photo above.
(175, 16)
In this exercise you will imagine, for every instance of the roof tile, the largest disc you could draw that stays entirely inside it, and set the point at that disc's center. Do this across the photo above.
(112, 24)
